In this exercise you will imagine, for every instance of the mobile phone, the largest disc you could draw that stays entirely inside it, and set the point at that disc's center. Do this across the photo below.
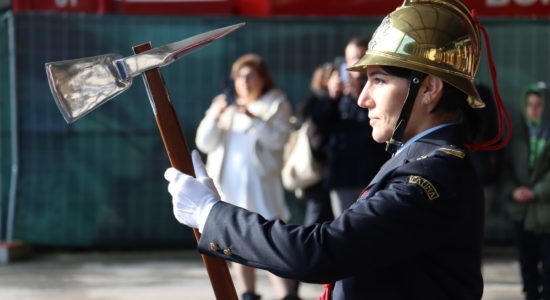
(229, 91)
(340, 65)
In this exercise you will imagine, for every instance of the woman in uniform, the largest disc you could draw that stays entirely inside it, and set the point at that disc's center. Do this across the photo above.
(415, 232)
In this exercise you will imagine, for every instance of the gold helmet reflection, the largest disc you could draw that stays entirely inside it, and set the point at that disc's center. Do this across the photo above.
(437, 37)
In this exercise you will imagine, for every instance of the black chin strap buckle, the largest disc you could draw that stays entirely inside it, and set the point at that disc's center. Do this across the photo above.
(393, 145)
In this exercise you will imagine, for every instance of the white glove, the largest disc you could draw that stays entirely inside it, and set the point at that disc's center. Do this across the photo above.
(192, 198)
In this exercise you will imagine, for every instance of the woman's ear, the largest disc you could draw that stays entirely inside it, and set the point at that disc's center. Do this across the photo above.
(432, 92)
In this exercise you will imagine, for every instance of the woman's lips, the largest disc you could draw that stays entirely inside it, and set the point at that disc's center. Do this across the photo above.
(372, 120)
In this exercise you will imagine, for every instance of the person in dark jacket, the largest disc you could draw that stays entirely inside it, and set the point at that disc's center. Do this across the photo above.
(415, 232)
(526, 186)
(318, 208)
(487, 163)
(347, 132)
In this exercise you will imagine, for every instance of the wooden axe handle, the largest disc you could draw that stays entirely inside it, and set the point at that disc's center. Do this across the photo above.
(180, 158)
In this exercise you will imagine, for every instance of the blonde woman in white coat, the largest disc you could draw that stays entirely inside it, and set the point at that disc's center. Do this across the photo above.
(244, 142)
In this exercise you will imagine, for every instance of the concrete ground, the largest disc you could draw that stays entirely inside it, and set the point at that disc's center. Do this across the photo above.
(173, 275)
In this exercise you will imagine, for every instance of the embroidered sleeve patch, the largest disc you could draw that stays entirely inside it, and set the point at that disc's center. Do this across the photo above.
(426, 185)
(453, 152)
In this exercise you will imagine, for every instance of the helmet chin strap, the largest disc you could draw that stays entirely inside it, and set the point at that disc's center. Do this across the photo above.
(395, 141)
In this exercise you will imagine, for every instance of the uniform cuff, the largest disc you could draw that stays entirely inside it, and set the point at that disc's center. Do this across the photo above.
(204, 212)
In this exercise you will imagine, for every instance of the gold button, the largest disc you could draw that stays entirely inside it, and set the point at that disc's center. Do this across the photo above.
(214, 246)
(227, 252)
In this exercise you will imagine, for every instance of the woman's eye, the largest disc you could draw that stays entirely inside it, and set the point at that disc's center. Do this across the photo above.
(378, 80)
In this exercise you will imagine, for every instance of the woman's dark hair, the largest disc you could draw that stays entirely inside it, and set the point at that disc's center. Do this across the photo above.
(360, 41)
(536, 93)
(453, 100)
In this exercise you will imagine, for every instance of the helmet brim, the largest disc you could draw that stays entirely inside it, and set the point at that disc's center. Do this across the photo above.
(456, 79)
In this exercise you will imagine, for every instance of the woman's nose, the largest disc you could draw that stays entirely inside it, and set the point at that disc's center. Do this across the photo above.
(364, 100)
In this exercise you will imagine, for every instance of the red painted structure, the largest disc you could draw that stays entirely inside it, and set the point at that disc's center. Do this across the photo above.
(267, 8)
(73, 6)
(176, 7)
(141, 7)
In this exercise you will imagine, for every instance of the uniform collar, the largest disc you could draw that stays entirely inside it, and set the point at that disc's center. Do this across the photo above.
(422, 134)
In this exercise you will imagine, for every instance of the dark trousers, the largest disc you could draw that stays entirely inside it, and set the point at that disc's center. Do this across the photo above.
(318, 210)
(534, 261)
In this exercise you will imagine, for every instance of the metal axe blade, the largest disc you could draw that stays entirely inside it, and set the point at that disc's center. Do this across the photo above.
(81, 85)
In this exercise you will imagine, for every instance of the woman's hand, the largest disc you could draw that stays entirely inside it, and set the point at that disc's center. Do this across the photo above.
(219, 106)
(242, 109)
(523, 194)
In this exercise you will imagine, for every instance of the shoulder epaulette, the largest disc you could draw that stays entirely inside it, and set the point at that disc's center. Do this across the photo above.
(447, 150)
(457, 152)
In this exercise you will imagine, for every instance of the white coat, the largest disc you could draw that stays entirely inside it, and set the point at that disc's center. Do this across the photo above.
(245, 155)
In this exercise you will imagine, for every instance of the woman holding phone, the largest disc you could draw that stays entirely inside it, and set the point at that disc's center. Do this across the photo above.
(244, 139)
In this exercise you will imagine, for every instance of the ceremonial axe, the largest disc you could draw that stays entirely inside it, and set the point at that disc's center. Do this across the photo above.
(81, 85)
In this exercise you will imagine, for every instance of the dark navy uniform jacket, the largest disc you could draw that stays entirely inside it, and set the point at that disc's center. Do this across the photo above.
(416, 234)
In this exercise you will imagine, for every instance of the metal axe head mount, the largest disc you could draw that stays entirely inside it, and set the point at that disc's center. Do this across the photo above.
(81, 85)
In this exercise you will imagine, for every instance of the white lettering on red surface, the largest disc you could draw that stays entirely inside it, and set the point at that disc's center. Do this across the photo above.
(494, 3)
(525, 2)
(498, 3)
(64, 3)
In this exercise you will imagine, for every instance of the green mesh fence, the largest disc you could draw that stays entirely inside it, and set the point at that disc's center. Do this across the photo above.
(99, 181)
(4, 122)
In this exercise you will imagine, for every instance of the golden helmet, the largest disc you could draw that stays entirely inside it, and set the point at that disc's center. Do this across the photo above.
(437, 37)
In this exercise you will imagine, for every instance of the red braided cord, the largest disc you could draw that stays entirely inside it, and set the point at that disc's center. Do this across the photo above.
(496, 142)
